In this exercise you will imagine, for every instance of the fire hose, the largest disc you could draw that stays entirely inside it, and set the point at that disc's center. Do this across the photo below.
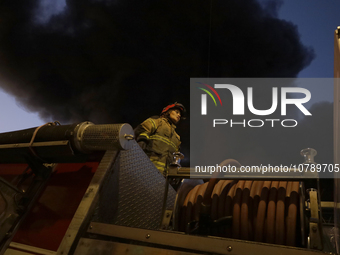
(262, 211)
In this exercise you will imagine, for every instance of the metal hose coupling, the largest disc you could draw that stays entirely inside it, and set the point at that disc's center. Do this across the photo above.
(89, 137)
(176, 159)
(308, 155)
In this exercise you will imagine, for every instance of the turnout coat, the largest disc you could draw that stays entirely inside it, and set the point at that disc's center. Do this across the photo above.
(159, 140)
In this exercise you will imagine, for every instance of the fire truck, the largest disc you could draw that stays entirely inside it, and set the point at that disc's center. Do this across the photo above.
(90, 189)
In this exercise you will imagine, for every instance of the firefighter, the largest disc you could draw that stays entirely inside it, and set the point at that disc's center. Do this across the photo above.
(158, 138)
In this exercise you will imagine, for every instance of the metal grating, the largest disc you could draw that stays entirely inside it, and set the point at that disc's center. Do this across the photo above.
(101, 137)
(133, 194)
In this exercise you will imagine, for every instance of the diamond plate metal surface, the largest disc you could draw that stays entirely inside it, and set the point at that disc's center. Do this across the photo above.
(133, 194)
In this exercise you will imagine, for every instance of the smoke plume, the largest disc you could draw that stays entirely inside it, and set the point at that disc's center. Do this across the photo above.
(123, 61)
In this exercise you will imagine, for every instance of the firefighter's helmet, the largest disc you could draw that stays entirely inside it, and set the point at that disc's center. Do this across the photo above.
(175, 106)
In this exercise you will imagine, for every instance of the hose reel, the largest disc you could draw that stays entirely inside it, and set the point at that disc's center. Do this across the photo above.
(270, 211)
(262, 211)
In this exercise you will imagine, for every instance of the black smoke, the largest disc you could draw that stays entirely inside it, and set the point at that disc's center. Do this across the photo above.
(123, 61)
